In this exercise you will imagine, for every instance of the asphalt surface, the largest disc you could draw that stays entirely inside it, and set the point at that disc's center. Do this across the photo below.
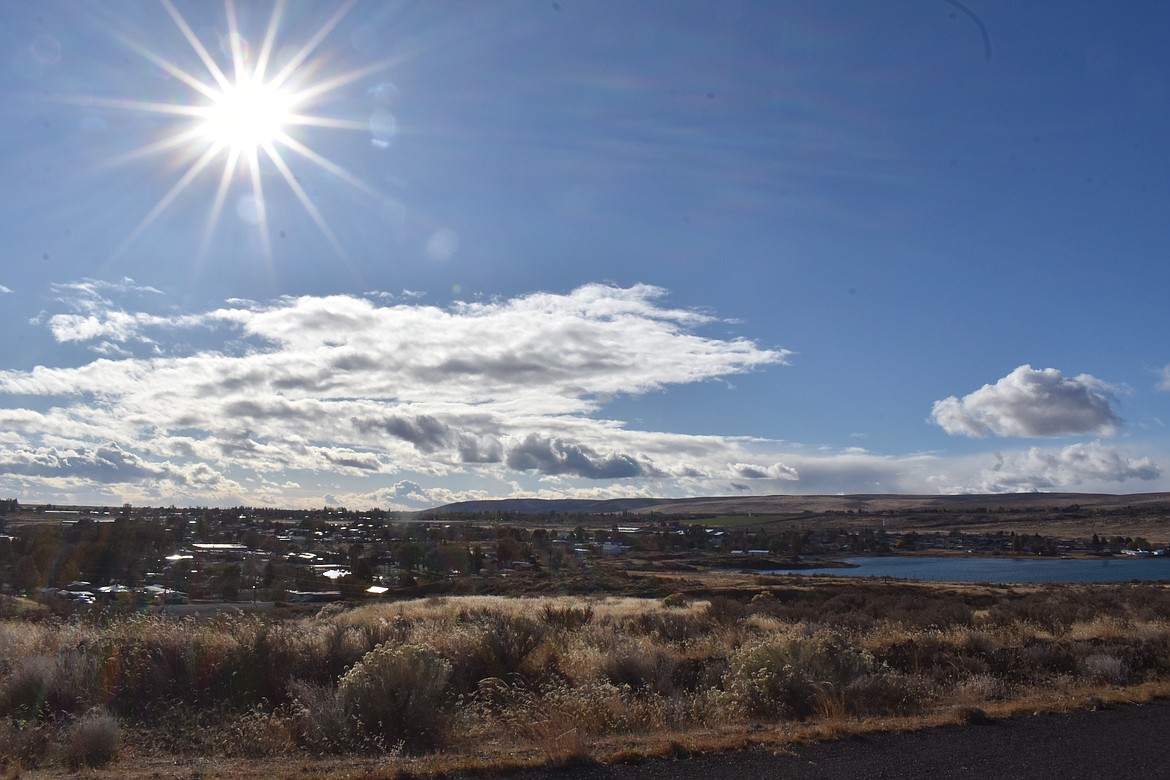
(1121, 743)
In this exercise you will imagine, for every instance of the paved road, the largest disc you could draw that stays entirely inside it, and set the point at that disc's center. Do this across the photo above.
(1123, 743)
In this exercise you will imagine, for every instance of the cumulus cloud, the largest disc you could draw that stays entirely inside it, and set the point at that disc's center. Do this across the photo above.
(5, 290)
(554, 456)
(1032, 402)
(99, 322)
(410, 495)
(105, 464)
(473, 449)
(774, 471)
(425, 432)
(116, 325)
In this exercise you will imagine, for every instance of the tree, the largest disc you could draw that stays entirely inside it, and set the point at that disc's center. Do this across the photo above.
(507, 550)
(556, 559)
(409, 555)
(26, 576)
(362, 571)
(229, 582)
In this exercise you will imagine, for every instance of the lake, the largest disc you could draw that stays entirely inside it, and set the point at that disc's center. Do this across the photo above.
(1031, 570)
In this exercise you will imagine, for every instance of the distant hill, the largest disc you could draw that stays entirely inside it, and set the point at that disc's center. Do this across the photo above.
(784, 504)
(541, 506)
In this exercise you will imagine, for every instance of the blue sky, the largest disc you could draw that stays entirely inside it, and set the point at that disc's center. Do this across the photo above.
(581, 249)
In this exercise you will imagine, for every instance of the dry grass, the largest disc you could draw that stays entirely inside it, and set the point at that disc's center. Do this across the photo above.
(460, 682)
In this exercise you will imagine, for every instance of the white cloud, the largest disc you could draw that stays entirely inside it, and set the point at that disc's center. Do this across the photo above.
(97, 320)
(1032, 403)
(1078, 466)
(1164, 383)
(774, 471)
(99, 290)
(556, 456)
(5, 290)
(116, 325)
(406, 406)
(341, 385)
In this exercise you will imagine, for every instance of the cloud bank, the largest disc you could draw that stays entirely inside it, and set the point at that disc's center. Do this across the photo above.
(386, 401)
(1078, 464)
(345, 387)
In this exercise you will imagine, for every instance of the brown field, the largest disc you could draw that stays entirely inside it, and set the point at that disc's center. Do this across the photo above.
(1064, 516)
(485, 682)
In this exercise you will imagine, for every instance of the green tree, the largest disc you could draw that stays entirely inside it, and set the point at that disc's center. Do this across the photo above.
(507, 550)
(409, 555)
(229, 582)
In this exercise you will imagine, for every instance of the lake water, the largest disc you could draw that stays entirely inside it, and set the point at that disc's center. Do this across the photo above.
(957, 569)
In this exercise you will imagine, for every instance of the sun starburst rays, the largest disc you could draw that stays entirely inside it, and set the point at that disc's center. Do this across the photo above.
(241, 117)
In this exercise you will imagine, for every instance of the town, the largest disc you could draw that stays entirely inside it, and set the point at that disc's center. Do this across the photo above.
(77, 556)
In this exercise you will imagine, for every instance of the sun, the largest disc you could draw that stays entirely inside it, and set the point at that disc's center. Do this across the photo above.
(248, 116)
(241, 116)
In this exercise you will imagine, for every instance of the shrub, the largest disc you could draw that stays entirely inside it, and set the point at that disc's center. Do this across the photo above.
(725, 611)
(93, 741)
(324, 725)
(935, 656)
(597, 708)
(1048, 656)
(674, 626)
(264, 657)
(791, 679)
(24, 743)
(1102, 667)
(256, 734)
(975, 642)
(567, 617)
(640, 667)
(509, 640)
(881, 693)
(397, 695)
(491, 644)
(342, 647)
(979, 689)
(25, 692)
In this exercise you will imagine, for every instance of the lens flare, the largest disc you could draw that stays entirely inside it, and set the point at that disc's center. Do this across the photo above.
(242, 118)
